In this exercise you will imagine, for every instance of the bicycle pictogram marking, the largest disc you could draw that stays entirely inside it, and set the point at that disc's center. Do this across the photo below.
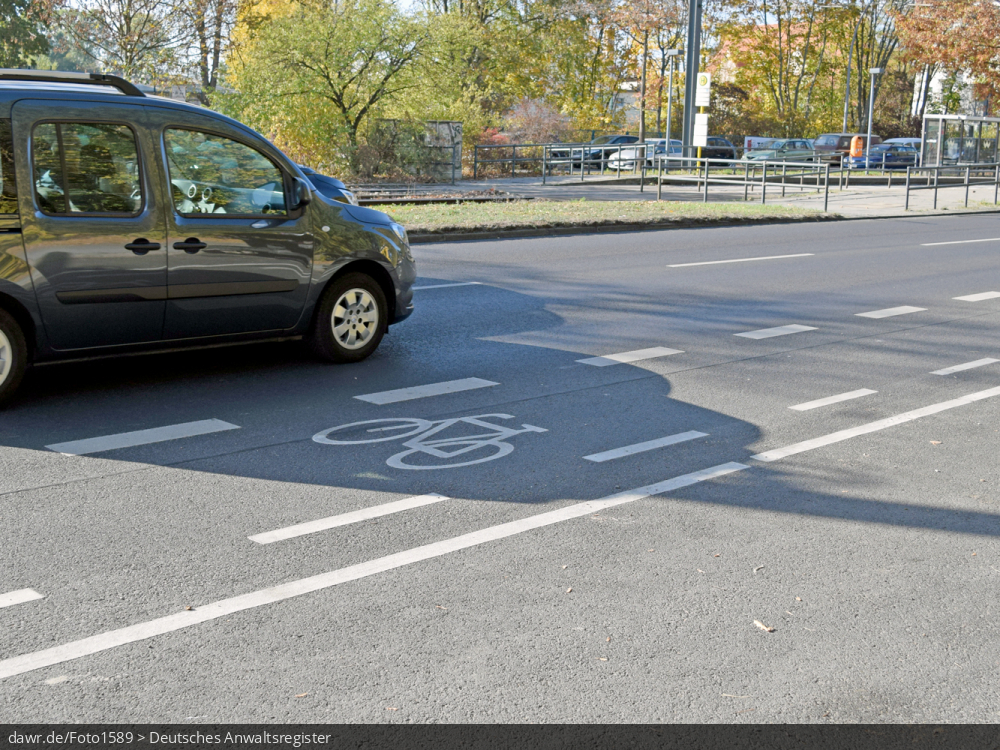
(425, 438)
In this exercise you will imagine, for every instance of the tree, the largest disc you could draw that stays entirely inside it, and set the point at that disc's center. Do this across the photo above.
(315, 77)
(22, 31)
(208, 25)
(959, 35)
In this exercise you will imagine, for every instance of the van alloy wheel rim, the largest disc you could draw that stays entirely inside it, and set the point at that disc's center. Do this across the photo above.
(355, 318)
(6, 354)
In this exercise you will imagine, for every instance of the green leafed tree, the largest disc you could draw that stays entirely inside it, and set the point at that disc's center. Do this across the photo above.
(22, 31)
(316, 77)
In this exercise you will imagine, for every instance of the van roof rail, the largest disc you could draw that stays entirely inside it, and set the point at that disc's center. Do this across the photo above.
(59, 76)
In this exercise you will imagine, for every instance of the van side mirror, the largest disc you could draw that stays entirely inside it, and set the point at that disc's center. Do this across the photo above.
(301, 192)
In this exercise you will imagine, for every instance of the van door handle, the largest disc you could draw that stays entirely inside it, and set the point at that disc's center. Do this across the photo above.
(191, 245)
(142, 246)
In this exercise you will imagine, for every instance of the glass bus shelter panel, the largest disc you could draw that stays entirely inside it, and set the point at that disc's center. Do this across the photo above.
(988, 142)
(951, 141)
(932, 138)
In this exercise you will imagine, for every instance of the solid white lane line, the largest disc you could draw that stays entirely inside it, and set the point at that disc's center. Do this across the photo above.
(836, 437)
(979, 297)
(649, 445)
(624, 357)
(423, 391)
(19, 597)
(966, 366)
(959, 242)
(832, 399)
(891, 311)
(105, 641)
(443, 286)
(738, 260)
(141, 437)
(311, 527)
(766, 333)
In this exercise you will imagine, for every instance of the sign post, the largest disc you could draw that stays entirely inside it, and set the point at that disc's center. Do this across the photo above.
(702, 99)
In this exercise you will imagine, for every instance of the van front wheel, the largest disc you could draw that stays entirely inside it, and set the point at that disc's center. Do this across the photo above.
(13, 355)
(351, 319)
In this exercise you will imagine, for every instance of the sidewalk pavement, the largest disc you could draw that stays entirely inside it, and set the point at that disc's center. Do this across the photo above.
(859, 201)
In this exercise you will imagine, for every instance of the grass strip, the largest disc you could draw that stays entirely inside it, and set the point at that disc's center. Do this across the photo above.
(472, 217)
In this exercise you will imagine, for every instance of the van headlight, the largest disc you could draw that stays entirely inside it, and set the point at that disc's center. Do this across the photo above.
(351, 197)
(400, 231)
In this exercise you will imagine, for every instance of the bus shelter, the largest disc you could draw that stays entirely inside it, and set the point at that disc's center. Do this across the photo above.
(959, 140)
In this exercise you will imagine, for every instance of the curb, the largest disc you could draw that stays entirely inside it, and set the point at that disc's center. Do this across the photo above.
(417, 238)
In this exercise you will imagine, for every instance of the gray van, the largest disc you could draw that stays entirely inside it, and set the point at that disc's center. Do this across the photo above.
(131, 222)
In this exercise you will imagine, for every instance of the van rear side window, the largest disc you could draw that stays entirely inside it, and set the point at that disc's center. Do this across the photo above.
(8, 188)
(86, 168)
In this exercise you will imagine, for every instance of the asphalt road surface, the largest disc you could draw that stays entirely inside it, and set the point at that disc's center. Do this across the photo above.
(591, 482)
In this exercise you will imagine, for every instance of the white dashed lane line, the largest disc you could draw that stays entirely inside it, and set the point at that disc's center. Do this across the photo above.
(836, 437)
(959, 242)
(141, 437)
(649, 445)
(832, 399)
(966, 366)
(444, 286)
(226, 607)
(767, 333)
(19, 597)
(624, 357)
(424, 391)
(890, 312)
(979, 297)
(344, 519)
(739, 260)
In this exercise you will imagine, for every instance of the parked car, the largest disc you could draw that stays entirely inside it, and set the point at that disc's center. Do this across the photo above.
(329, 187)
(886, 156)
(718, 148)
(142, 223)
(654, 147)
(913, 142)
(597, 152)
(835, 147)
(793, 149)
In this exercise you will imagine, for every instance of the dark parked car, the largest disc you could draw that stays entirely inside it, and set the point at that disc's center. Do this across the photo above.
(130, 222)
(718, 148)
(886, 156)
(329, 187)
(835, 147)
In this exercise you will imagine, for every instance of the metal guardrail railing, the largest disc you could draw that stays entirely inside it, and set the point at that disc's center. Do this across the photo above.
(963, 175)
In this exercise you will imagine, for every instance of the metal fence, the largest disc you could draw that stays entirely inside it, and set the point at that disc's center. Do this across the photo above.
(953, 176)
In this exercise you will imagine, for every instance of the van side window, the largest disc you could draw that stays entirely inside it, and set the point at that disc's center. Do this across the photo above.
(86, 168)
(8, 188)
(212, 174)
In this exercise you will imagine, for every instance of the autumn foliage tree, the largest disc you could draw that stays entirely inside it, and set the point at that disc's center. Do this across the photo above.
(960, 35)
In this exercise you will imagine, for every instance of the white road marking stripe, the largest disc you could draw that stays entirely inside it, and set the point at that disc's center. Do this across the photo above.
(19, 597)
(423, 391)
(979, 297)
(891, 311)
(442, 286)
(738, 260)
(836, 437)
(141, 437)
(204, 613)
(832, 399)
(649, 445)
(959, 242)
(624, 357)
(311, 527)
(766, 333)
(966, 366)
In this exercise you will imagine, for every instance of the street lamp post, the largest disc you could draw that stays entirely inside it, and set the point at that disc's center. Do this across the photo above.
(871, 109)
(673, 54)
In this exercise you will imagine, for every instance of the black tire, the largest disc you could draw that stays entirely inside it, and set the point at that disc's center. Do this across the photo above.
(13, 356)
(358, 295)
